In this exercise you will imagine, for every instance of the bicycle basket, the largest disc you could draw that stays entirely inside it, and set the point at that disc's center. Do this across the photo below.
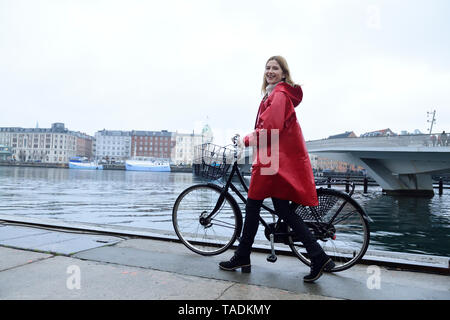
(214, 160)
(326, 202)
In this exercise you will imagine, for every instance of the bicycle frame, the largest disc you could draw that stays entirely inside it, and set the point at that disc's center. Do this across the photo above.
(229, 185)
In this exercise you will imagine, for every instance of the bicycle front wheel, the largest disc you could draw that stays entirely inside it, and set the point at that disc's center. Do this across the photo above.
(340, 226)
(200, 233)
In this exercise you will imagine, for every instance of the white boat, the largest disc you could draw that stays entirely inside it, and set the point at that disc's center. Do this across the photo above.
(143, 165)
(80, 163)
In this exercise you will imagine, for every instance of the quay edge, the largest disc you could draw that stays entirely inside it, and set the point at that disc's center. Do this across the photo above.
(395, 260)
(173, 168)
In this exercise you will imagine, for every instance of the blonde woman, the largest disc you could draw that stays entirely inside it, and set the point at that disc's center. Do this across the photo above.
(287, 176)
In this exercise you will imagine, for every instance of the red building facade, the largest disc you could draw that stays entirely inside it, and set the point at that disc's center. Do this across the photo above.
(153, 144)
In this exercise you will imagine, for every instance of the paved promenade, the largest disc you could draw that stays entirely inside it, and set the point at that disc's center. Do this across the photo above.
(38, 263)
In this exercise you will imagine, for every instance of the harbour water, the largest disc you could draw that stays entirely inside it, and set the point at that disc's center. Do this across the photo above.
(145, 199)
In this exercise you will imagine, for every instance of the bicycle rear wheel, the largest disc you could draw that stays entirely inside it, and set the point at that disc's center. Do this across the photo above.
(206, 236)
(339, 225)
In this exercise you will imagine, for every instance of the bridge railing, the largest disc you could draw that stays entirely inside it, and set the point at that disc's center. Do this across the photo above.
(435, 140)
(366, 182)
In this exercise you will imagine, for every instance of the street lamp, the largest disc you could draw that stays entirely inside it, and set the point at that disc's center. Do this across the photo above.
(433, 120)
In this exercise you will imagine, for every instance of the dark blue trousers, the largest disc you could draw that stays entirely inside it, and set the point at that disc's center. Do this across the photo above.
(282, 209)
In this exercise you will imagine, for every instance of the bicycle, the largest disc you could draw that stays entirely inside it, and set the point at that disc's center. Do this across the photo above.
(208, 220)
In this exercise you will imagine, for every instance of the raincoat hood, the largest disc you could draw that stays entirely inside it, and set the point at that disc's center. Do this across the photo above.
(295, 94)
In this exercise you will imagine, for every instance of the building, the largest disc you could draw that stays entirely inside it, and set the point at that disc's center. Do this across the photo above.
(346, 134)
(186, 143)
(112, 145)
(84, 145)
(320, 164)
(50, 145)
(379, 133)
(184, 147)
(152, 144)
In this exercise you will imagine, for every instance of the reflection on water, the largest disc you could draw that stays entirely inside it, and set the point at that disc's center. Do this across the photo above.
(145, 199)
(130, 198)
(410, 224)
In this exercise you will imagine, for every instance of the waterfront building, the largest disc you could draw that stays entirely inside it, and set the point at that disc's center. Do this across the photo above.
(346, 134)
(184, 147)
(186, 143)
(112, 145)
(379, 133)
(320, 164)
(49, 145)
(152, 144)
(84, 145)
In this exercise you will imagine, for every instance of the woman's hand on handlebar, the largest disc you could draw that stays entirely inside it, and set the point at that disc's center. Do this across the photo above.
(237, 141)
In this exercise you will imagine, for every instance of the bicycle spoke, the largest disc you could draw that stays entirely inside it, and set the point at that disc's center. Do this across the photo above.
(343, 217)
(200, 233)
(224, 224)
(341, 229)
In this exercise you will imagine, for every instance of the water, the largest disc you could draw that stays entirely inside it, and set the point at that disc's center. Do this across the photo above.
(145, 200)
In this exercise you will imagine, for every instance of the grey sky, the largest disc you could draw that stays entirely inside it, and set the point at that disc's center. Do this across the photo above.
(175, 65)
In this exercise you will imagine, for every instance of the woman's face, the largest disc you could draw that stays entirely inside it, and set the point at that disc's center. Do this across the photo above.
(273, 73)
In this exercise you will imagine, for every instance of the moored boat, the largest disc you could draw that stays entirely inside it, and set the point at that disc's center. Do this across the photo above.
(81, 163)
(143, 165)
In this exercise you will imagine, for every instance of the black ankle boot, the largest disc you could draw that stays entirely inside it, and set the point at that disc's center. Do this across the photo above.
(236, 262)
(318, 265)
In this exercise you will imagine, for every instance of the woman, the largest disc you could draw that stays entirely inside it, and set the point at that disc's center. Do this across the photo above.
(281, 169)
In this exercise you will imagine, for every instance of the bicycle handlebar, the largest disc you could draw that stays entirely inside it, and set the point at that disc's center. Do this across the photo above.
(235, 139)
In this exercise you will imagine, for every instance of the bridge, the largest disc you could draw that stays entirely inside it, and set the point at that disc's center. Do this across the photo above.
(400, 164)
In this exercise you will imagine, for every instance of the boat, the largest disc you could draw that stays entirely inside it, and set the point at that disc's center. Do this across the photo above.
(82, 163)
(147, 165)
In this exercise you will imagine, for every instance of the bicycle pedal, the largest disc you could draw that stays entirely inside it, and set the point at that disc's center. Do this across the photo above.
(272, 258)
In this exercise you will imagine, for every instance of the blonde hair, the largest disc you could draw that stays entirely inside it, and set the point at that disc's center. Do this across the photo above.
(284, 67)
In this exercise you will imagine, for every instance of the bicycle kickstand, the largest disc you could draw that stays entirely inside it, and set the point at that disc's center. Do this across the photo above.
(272, 257)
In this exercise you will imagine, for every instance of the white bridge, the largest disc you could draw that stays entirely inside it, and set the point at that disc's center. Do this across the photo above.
(400, 164)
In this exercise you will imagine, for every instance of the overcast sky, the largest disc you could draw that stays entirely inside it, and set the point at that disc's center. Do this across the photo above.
(176, 65)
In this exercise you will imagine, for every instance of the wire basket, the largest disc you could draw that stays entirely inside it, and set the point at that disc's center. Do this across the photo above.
(326, 202)
(214, 160)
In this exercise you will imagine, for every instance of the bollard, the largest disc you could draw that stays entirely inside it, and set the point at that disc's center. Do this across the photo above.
(441, 187)
(365, 184)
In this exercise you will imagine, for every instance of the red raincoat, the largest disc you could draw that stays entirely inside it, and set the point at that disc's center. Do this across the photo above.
(281, 166)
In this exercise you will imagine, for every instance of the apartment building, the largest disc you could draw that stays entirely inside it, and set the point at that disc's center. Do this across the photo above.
(321, 164)
(152, 144)
(184, 147)
(50, 145)
(112, 145)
